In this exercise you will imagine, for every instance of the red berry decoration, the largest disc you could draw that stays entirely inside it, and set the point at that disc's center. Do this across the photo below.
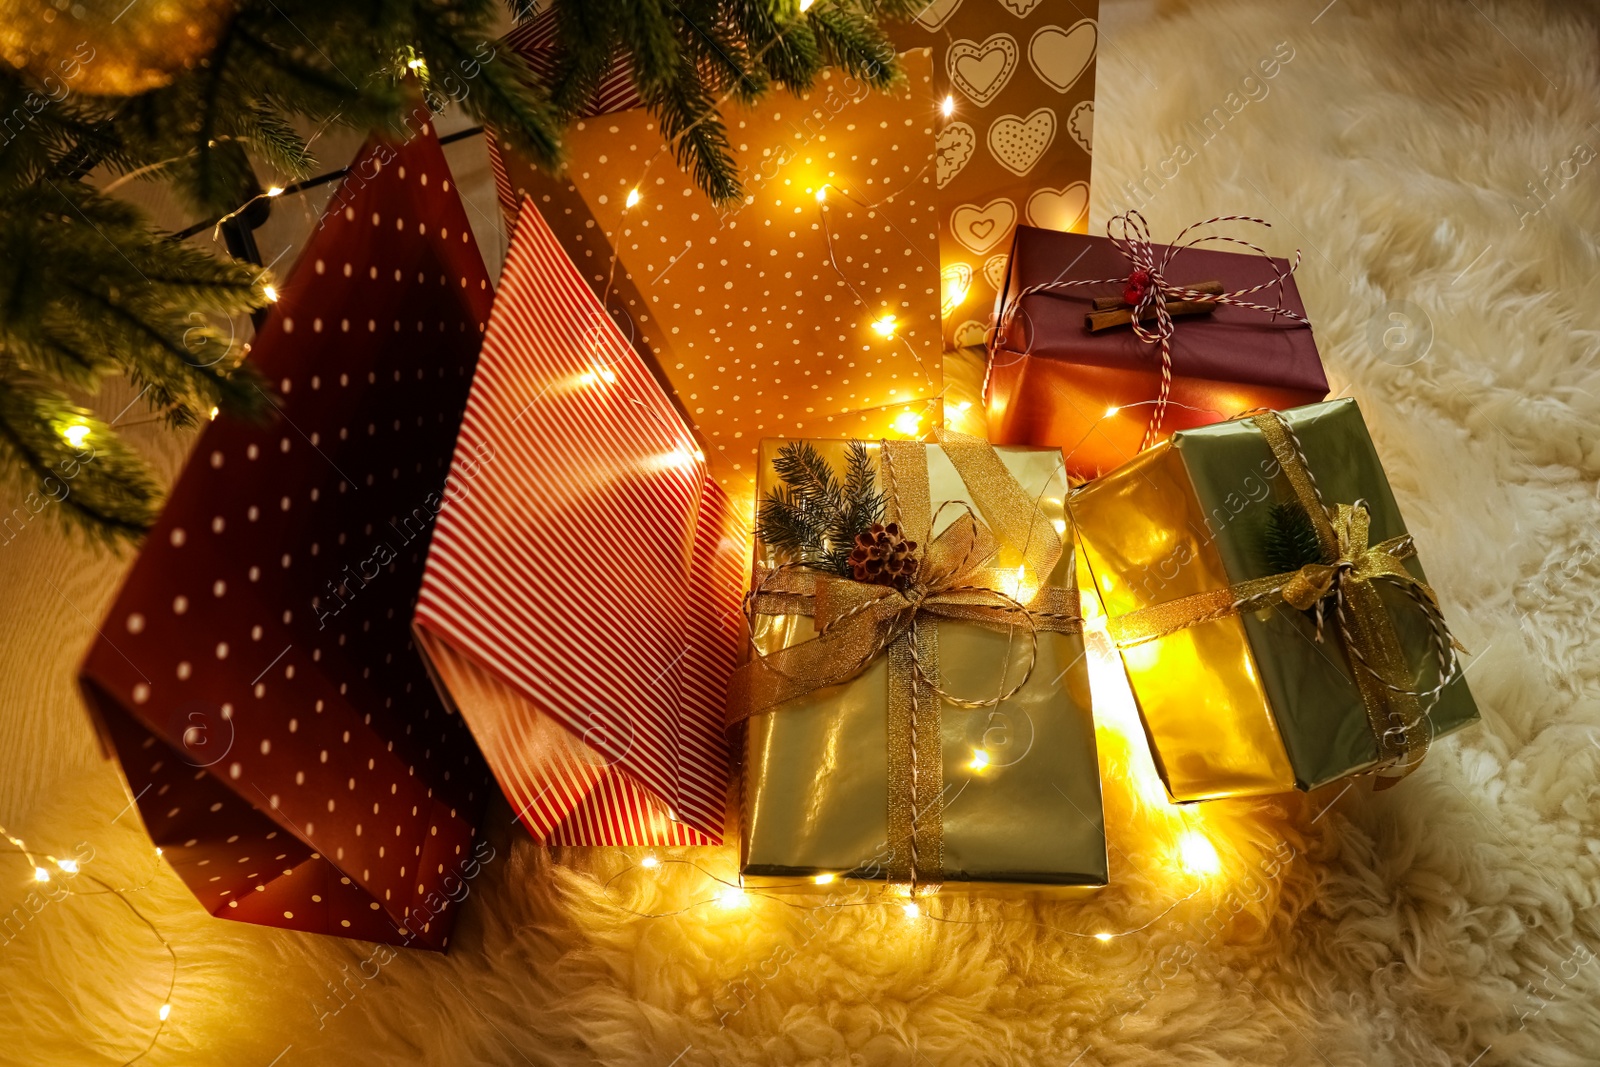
(1138, 285)
(883, 556)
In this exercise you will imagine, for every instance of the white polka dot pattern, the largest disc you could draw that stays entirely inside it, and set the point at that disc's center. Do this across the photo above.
(581, 602)
(768, 318)
(256, 677)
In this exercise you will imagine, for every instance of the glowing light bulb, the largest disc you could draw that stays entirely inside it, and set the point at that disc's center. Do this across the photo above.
(607, 375)
(1103, 936)
(909, 424)
(731, 897)
(700, 455)
(41, 875)
(650, 862)
(75, 434)
(1197, 854)
(980, 759)
(911, 909)
(70, 866)
(215, 411)
(166, 1010)
(1112, 411)
(270, 292)
(276, 190)
(414, 64)
(884, 327)
(955, 291)
(823, 879)
(158, 850)
(822, 195)
(633, 198)
(679, 458)
(948, 108)
(805, 5)
(1014, 584)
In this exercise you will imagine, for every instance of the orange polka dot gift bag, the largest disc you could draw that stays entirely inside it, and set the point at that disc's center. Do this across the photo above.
(810, 306)
(255, 678)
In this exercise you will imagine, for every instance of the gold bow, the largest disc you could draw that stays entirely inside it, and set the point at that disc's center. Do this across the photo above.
(1366, 632)
(1315, 582)
(857, 622)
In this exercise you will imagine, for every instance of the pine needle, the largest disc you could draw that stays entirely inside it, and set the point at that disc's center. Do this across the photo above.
(813, 518)
(1290, 540)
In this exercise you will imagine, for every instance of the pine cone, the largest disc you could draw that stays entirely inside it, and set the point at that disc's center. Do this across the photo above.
(883, 556)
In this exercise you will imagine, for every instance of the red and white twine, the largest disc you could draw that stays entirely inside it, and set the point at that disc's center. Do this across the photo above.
(1148, 292)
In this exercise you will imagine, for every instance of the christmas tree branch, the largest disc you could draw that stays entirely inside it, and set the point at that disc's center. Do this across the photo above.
(89, 289)
(73, 459)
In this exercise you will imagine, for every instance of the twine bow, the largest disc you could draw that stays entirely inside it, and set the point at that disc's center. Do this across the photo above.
(1146, 289)
(1345, 582)
(857, 622)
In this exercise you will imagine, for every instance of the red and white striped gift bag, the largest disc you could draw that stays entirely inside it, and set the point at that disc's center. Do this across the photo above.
(580, 605)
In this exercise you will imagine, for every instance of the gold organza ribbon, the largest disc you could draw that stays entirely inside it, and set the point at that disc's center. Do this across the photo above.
(1394, 707)
(857, 622)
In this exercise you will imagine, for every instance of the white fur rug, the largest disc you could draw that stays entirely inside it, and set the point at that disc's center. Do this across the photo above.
(1451, 921)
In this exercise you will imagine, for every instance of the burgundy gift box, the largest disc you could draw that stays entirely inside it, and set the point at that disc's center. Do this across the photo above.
(1053, 382)
(256, 677)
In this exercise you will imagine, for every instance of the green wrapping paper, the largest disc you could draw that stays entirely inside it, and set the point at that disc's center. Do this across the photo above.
(1211, 491)
(1021, 801)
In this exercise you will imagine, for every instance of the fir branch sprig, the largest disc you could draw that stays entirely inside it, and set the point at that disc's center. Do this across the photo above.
(63, 453)
(687, 56)
(814, 517)
(1289, 541)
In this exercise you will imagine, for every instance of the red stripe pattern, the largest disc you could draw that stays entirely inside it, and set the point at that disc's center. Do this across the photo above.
(588, 566)
(535, 42)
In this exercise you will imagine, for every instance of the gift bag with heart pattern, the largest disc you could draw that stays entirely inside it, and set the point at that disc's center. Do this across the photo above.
(1016, 81)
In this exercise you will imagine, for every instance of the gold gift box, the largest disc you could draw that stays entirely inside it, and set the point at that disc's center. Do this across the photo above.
(1022, 779)
(1246, 704)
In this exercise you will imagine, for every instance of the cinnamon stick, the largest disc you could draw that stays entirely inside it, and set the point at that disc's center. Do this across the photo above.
(1096, 321)
(1111, 303)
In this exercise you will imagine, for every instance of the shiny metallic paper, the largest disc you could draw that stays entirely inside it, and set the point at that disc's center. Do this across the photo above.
(1252, 704)
(815, 786)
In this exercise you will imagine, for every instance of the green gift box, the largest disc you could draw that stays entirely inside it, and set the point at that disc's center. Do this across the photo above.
(971, 798)
(1268, 650)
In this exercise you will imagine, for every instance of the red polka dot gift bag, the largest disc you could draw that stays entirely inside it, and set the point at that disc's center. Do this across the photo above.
(256, 678)
(581, 605)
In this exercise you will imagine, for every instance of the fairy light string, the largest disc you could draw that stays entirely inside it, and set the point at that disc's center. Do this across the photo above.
(74, 870)
(730, 894)
(733, 894)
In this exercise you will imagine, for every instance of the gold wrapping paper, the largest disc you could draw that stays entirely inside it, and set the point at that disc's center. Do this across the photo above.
(817, 768)
(1210, 730)
(1249, 703)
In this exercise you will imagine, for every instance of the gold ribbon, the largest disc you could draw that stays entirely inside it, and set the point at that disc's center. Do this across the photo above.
(1366, 632)
(857, 622)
